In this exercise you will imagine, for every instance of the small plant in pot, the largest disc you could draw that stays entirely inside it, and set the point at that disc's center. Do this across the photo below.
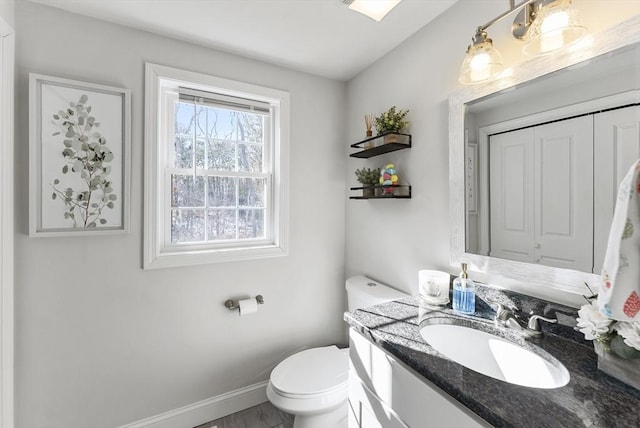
(368, 177)
(392, 120)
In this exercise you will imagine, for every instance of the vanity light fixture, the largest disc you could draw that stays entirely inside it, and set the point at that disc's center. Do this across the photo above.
(483, 62)
(374, 9)
(544, 26)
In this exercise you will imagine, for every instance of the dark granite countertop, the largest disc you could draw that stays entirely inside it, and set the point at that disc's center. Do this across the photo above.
(590, 399)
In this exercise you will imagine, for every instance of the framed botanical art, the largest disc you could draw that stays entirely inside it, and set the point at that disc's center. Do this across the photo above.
(79, 157)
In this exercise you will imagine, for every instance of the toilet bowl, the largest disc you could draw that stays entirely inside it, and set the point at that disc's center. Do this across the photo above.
(312, 385)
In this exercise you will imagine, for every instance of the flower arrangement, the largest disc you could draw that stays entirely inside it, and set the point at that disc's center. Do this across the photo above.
(620, 337)
(392, 120)
(368, 176)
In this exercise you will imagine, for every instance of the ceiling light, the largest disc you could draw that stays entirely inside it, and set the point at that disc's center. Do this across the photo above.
(374, 9)
(556, 25)
(483, 62)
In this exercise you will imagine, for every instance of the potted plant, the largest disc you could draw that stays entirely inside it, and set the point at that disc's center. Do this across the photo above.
(392, 120)
(368, 177)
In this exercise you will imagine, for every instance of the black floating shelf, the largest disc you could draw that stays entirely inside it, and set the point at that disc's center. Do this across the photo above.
(374, 146)
(400, 191)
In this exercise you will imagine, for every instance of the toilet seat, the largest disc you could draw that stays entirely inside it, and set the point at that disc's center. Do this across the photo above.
(311, 373)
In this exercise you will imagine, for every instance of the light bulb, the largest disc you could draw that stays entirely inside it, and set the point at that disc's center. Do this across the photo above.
(555, 21)
(480, 69)
(552, 34)
(480, 62)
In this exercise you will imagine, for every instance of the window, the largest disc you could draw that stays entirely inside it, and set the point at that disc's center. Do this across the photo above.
(220, 185)
(216, 164)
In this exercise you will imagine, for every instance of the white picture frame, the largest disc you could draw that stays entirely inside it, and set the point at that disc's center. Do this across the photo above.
(79, 157)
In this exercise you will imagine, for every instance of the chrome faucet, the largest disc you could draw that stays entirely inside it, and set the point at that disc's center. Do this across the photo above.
(506, 317)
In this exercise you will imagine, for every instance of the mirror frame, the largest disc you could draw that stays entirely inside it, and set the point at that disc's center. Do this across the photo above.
(619, 36)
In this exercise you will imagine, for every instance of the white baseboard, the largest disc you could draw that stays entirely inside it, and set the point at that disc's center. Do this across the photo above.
(203, 411)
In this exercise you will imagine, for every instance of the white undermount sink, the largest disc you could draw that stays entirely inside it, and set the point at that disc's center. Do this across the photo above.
(496, 357)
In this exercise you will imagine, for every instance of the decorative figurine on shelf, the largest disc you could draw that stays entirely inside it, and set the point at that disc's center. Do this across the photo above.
(392, 120)
(368, 177)
(388, 178)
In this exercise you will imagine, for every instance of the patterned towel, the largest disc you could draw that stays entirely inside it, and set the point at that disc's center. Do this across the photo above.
(619, 295)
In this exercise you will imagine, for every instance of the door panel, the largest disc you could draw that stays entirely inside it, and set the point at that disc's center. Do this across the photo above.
(511, 195)
(563, 194)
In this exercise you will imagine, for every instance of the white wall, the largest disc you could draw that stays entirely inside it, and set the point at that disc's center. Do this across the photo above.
(100, 342)
(391, 240)
(7, 66)
(7, 11)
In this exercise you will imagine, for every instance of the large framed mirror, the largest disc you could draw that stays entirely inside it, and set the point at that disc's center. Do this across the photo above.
(532, 185)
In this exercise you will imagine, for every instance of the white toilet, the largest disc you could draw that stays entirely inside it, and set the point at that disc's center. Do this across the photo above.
(312, 385)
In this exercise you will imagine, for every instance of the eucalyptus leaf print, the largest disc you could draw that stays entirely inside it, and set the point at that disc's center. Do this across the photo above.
(87, 155)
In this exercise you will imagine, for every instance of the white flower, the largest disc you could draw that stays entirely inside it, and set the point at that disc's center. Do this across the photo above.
(630, 331)
(592, 323)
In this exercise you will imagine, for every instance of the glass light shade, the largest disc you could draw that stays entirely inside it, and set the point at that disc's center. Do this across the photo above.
(557, 25)
(374, 9)
(483, 62)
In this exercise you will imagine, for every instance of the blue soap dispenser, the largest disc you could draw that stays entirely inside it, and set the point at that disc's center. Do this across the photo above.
(464, 293)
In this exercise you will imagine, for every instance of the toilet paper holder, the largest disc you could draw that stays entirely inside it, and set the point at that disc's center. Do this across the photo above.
(234, 304)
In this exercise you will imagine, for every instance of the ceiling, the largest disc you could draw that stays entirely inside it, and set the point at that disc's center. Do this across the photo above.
(322, 37)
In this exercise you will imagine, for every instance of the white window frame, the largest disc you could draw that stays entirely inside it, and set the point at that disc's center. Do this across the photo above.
(158, 253)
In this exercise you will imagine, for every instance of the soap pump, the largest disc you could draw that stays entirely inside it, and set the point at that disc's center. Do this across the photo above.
(464, 293)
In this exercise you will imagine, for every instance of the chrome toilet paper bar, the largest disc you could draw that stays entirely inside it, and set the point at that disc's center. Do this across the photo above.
(234, 304)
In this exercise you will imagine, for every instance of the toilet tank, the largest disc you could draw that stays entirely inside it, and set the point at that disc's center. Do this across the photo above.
(363, 292)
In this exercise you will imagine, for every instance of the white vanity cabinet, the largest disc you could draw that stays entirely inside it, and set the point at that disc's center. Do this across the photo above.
(385, 393)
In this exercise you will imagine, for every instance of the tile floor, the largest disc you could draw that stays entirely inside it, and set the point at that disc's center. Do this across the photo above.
(263, 415)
